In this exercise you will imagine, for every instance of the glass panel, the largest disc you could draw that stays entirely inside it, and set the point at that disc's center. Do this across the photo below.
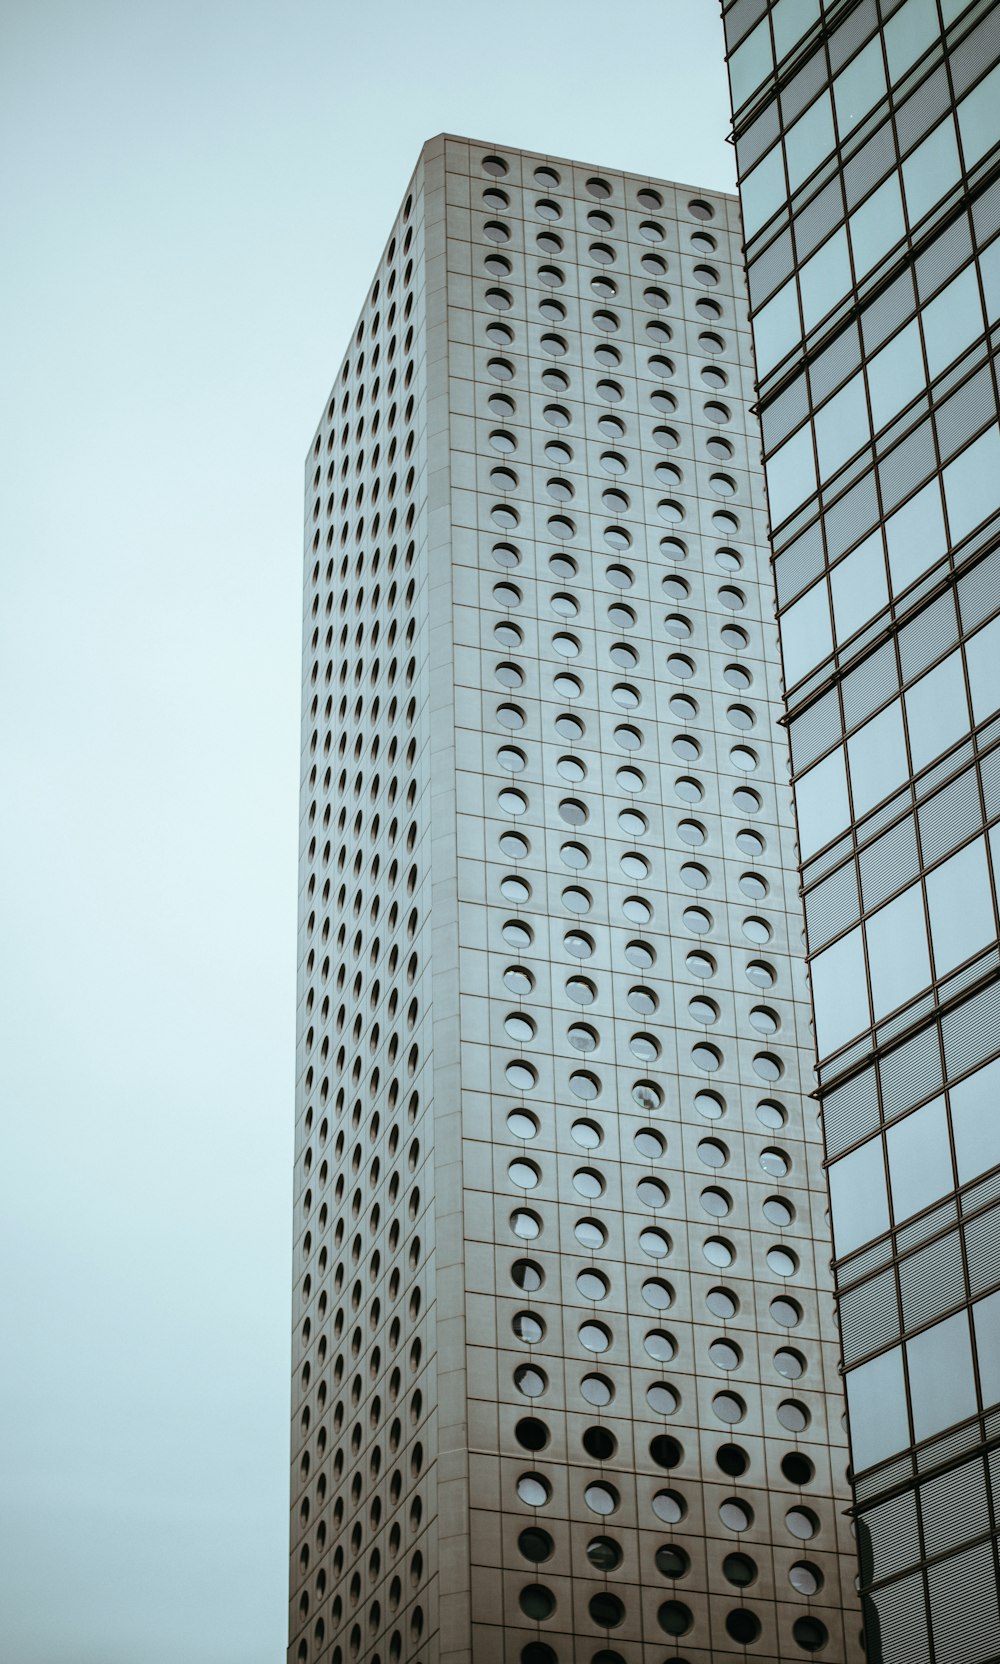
(876, 1403)
(989, 271)
(791, 19)
(919, 1160)
(858, 1200)
(809, 141)
(877, 756)
(806, 635)
(979, 118)
(972, 484)
(763, 191)
(791, 475)
(897, 951)
(776, 328)
(915, 536)
(986, 1325)
(840, 996)
(876, 226)
(952, 320)
(750, 63)
(841, 426)
(942, 1388)
(960, 906)
(825, 279)
(933, 169)
(896, 375)
(975, 1122)
(908, 34)
(937, 711)
(859, 86)
(821, 803)
(982, 656)
(858, 587)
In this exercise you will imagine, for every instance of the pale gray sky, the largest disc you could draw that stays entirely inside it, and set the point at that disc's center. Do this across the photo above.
(194, 195)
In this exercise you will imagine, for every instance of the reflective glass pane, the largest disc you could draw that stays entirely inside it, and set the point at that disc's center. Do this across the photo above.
(763, 191)
(841, 426)
(982, 656)
(825, 279)
(840, 994)
(960, 906)
(942, 1388)
(806, 634)
(790, 20)
(937, 711)
(972, 484)
(858, 1197)
(809, 141)
(919, 1159)
(876, 226)
(909, 33)
(776, 327)
(932, 169)
(791, 475)
(897, 951)
(876, 1402)
(975, 1122)
(979, 118)
(877, 756)
(952, 320)
(915, 536)
(859, 86)
(986, 1325)
(858, 587)
(821, 803)
(750, 63)
(896, 375)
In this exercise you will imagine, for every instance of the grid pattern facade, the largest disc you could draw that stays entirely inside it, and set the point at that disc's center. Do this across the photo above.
(868, 142)
(566, 1379)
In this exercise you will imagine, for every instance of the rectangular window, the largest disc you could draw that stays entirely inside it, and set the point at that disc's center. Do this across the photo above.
(791, 475)
(896, 375)
(932, 170)
(960, 904)
(979, 118)
(919, 1160)
(858, 587)
(876, 226)
(897, 952)
(972, 484)
(915, 537)
(809, 141)
(821, 803)
(876, 1407)
(937, 711)
(806, 636)
(840, 996)
(750, 63)
(763, 191)
(858, 1203)
(841, 426)
(986, 1324)
(859, 86)
(791, 19)
(952, 321)
(776, 328)
(908, 34)
(942, 1385)
(975, 1122)
(982, 657)
(877, 754)
(825, 279)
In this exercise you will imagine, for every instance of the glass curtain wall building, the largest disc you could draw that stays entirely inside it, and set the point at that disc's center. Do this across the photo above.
(566, 1371)
(868, 142)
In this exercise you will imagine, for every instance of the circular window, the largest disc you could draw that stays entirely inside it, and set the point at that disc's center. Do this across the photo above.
(533, 1490)
(722, 1303)
(802, 1523)
(674, 1617)
(657, 1294)
(743, 1626)
(529, 1381)
(592, 1285)
(660, 1345)
(597, 1390)
(789, 1364)
(805, 1578)
(527, 1326)
(736, 1515)
(725, 1355)
(590, 1234)
(525, 1224)
(654, 1243)
(523, 1173)
(595, 1337)
(739, 1569)
(718, 1252)
(669, 1506)
(782, 1262)
(793, 1416)
(604, 1554)
(672, 1561)
(601, 1499)
(787, 1313)
(535, 1545)
(662, 1400)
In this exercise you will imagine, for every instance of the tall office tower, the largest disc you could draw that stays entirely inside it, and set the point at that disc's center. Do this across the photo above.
(868, 141)
(565, 1356)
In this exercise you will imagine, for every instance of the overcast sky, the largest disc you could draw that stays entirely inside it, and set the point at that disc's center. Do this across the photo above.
(194, 196)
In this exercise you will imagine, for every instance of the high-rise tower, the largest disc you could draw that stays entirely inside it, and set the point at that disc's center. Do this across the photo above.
(566, 1381)
(868, 140)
